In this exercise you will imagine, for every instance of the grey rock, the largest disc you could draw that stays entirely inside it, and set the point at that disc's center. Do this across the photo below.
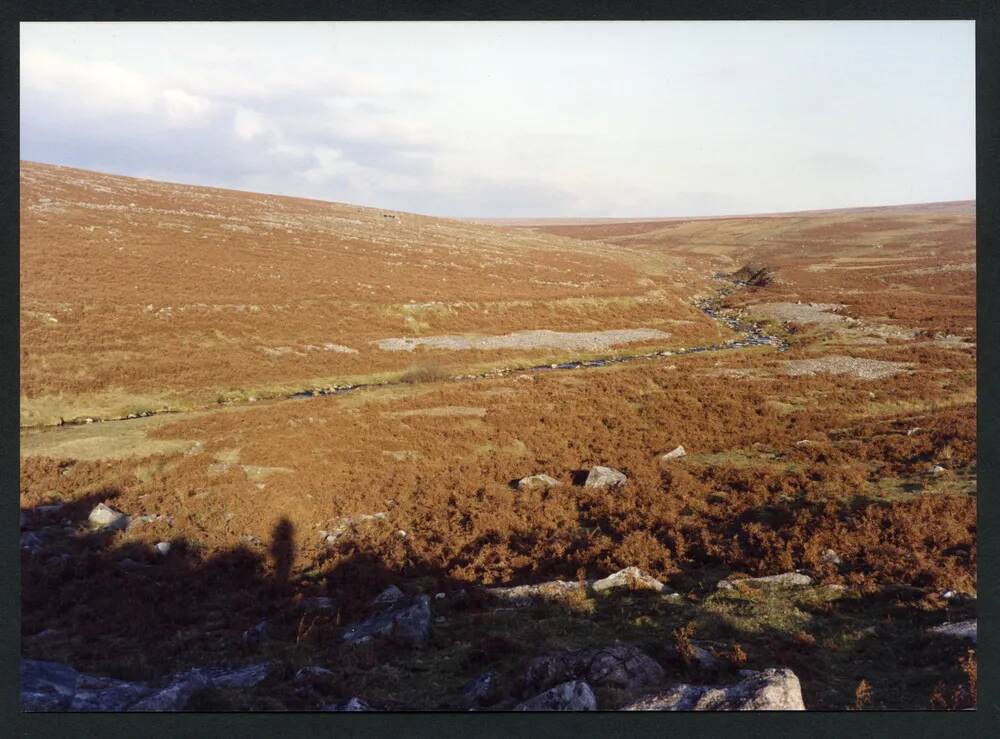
(104, 517)
(675, 453)
(770, 690)
(616, 666)
(785, 579)
(179, 688)
(631, 578)
(163, 548)
(406, 621)
(958, 629)
(604, 477)
(47, 686)
(575, 695)
(175, 696)
(105, 694)
(537, 482)
(241, 677)
(390, 595)
(830, 557)
(51, 686)
(481, 690)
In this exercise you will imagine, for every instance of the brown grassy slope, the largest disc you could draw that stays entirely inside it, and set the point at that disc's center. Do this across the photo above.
(137, 294)
(911, 265)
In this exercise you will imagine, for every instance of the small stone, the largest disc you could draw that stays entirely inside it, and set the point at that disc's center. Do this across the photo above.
(537, 482)
(604, 477)
(938, 470)
(107, 518)
(575, 695)
(631, 578)
(676, 453)
(830, 557)
(439, 596)
(163, 548)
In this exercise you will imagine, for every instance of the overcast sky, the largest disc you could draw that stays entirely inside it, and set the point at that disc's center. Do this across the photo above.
(516, 119)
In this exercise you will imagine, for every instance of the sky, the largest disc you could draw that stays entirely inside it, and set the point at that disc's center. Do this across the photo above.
(539, 119)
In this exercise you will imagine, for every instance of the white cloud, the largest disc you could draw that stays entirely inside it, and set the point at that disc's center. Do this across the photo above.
(248, 125)
(184, 109)
(602, 119)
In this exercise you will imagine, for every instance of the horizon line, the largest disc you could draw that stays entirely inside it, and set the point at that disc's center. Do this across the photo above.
(522, 220)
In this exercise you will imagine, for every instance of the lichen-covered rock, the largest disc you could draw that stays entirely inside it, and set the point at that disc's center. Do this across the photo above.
(958, 629)
(406, 621)
(785, 579)
(770, 690)
(604, 478)
(520, 595)
(537, 482)
(575, 695)
(631, 578)
(616, 666)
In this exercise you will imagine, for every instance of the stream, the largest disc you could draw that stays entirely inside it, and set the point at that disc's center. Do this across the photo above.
(751, 335)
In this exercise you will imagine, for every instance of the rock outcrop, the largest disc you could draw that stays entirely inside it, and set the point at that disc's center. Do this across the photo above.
(51, 686)
(785, 579)
(616, 666)
(770, 690)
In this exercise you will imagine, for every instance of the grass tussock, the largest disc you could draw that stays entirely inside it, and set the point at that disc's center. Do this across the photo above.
(425, 372)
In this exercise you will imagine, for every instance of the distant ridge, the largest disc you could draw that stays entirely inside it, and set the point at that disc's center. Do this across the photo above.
(946, 206)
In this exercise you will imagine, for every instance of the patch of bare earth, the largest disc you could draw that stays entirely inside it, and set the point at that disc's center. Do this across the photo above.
(862, 368)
